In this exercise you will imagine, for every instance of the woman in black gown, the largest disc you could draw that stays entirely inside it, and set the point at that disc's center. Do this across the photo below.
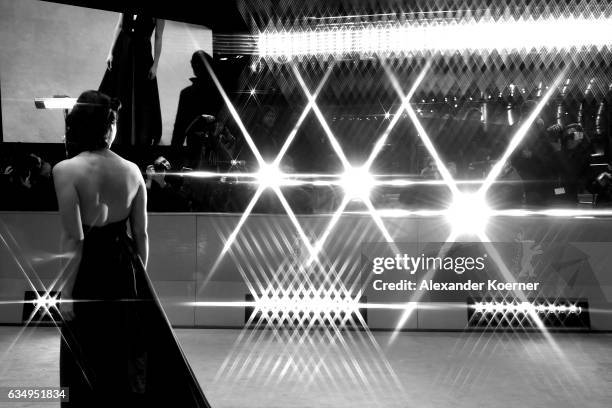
(131, 76)
(117, 348)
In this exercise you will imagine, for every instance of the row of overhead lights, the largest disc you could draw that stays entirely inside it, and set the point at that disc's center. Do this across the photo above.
(482, 36)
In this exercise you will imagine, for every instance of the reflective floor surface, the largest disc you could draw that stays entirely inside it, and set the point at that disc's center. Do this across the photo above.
(265, 368)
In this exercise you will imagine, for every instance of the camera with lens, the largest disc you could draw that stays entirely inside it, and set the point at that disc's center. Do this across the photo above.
(566, 137)
(161, 165)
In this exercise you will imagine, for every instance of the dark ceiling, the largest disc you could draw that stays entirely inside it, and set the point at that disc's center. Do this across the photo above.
(222, 16)
(243, 16)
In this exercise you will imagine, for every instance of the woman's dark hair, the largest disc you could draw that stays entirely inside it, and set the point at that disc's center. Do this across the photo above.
(88, 122)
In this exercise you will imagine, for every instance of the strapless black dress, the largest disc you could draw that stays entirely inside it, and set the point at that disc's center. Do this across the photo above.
(120, 350)
(140, 121)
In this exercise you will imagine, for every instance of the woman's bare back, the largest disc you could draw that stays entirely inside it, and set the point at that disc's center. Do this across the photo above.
(106, 185)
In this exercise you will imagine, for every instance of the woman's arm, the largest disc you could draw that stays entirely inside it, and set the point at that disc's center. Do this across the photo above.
(138, 218)
(72, 231)
(109, 59)
(159, 32)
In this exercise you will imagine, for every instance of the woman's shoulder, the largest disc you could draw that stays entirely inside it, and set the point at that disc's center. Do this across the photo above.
(66, 172)
(84, 160)
(66, 166)
(75, 163)
(131, 170)
(126, 166)
(131, 166)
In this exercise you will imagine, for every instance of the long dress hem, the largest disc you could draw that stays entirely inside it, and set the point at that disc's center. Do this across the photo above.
(120, 349)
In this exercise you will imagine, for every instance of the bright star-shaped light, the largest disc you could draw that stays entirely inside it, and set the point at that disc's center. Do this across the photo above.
(357, 183)
(45, 303)
(269, 176)
(468, 214)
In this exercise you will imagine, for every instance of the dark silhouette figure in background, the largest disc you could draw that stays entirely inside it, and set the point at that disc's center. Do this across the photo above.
(131, 76)
(17, 189)
(199, 98)
(117, 345)
(537, 162)
(27, 185)
(266, 133)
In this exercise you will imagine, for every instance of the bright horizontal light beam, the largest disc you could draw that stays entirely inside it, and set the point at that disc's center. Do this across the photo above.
(352, 305)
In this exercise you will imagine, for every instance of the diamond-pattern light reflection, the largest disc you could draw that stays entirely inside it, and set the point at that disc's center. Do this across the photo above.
(306, 301)
(315, 334)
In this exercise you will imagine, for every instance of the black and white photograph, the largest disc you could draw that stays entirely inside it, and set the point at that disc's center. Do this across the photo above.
(304, 204)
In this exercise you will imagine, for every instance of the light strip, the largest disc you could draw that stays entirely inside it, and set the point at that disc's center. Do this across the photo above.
(509, 277)
(304, 304)
(294, 304)
(55, 103)
(46, 301)
(297, 179)
(509, 34)
(518, 212)
(525, 308)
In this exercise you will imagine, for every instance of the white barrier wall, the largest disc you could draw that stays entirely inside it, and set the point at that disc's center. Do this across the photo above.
(185, 247)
